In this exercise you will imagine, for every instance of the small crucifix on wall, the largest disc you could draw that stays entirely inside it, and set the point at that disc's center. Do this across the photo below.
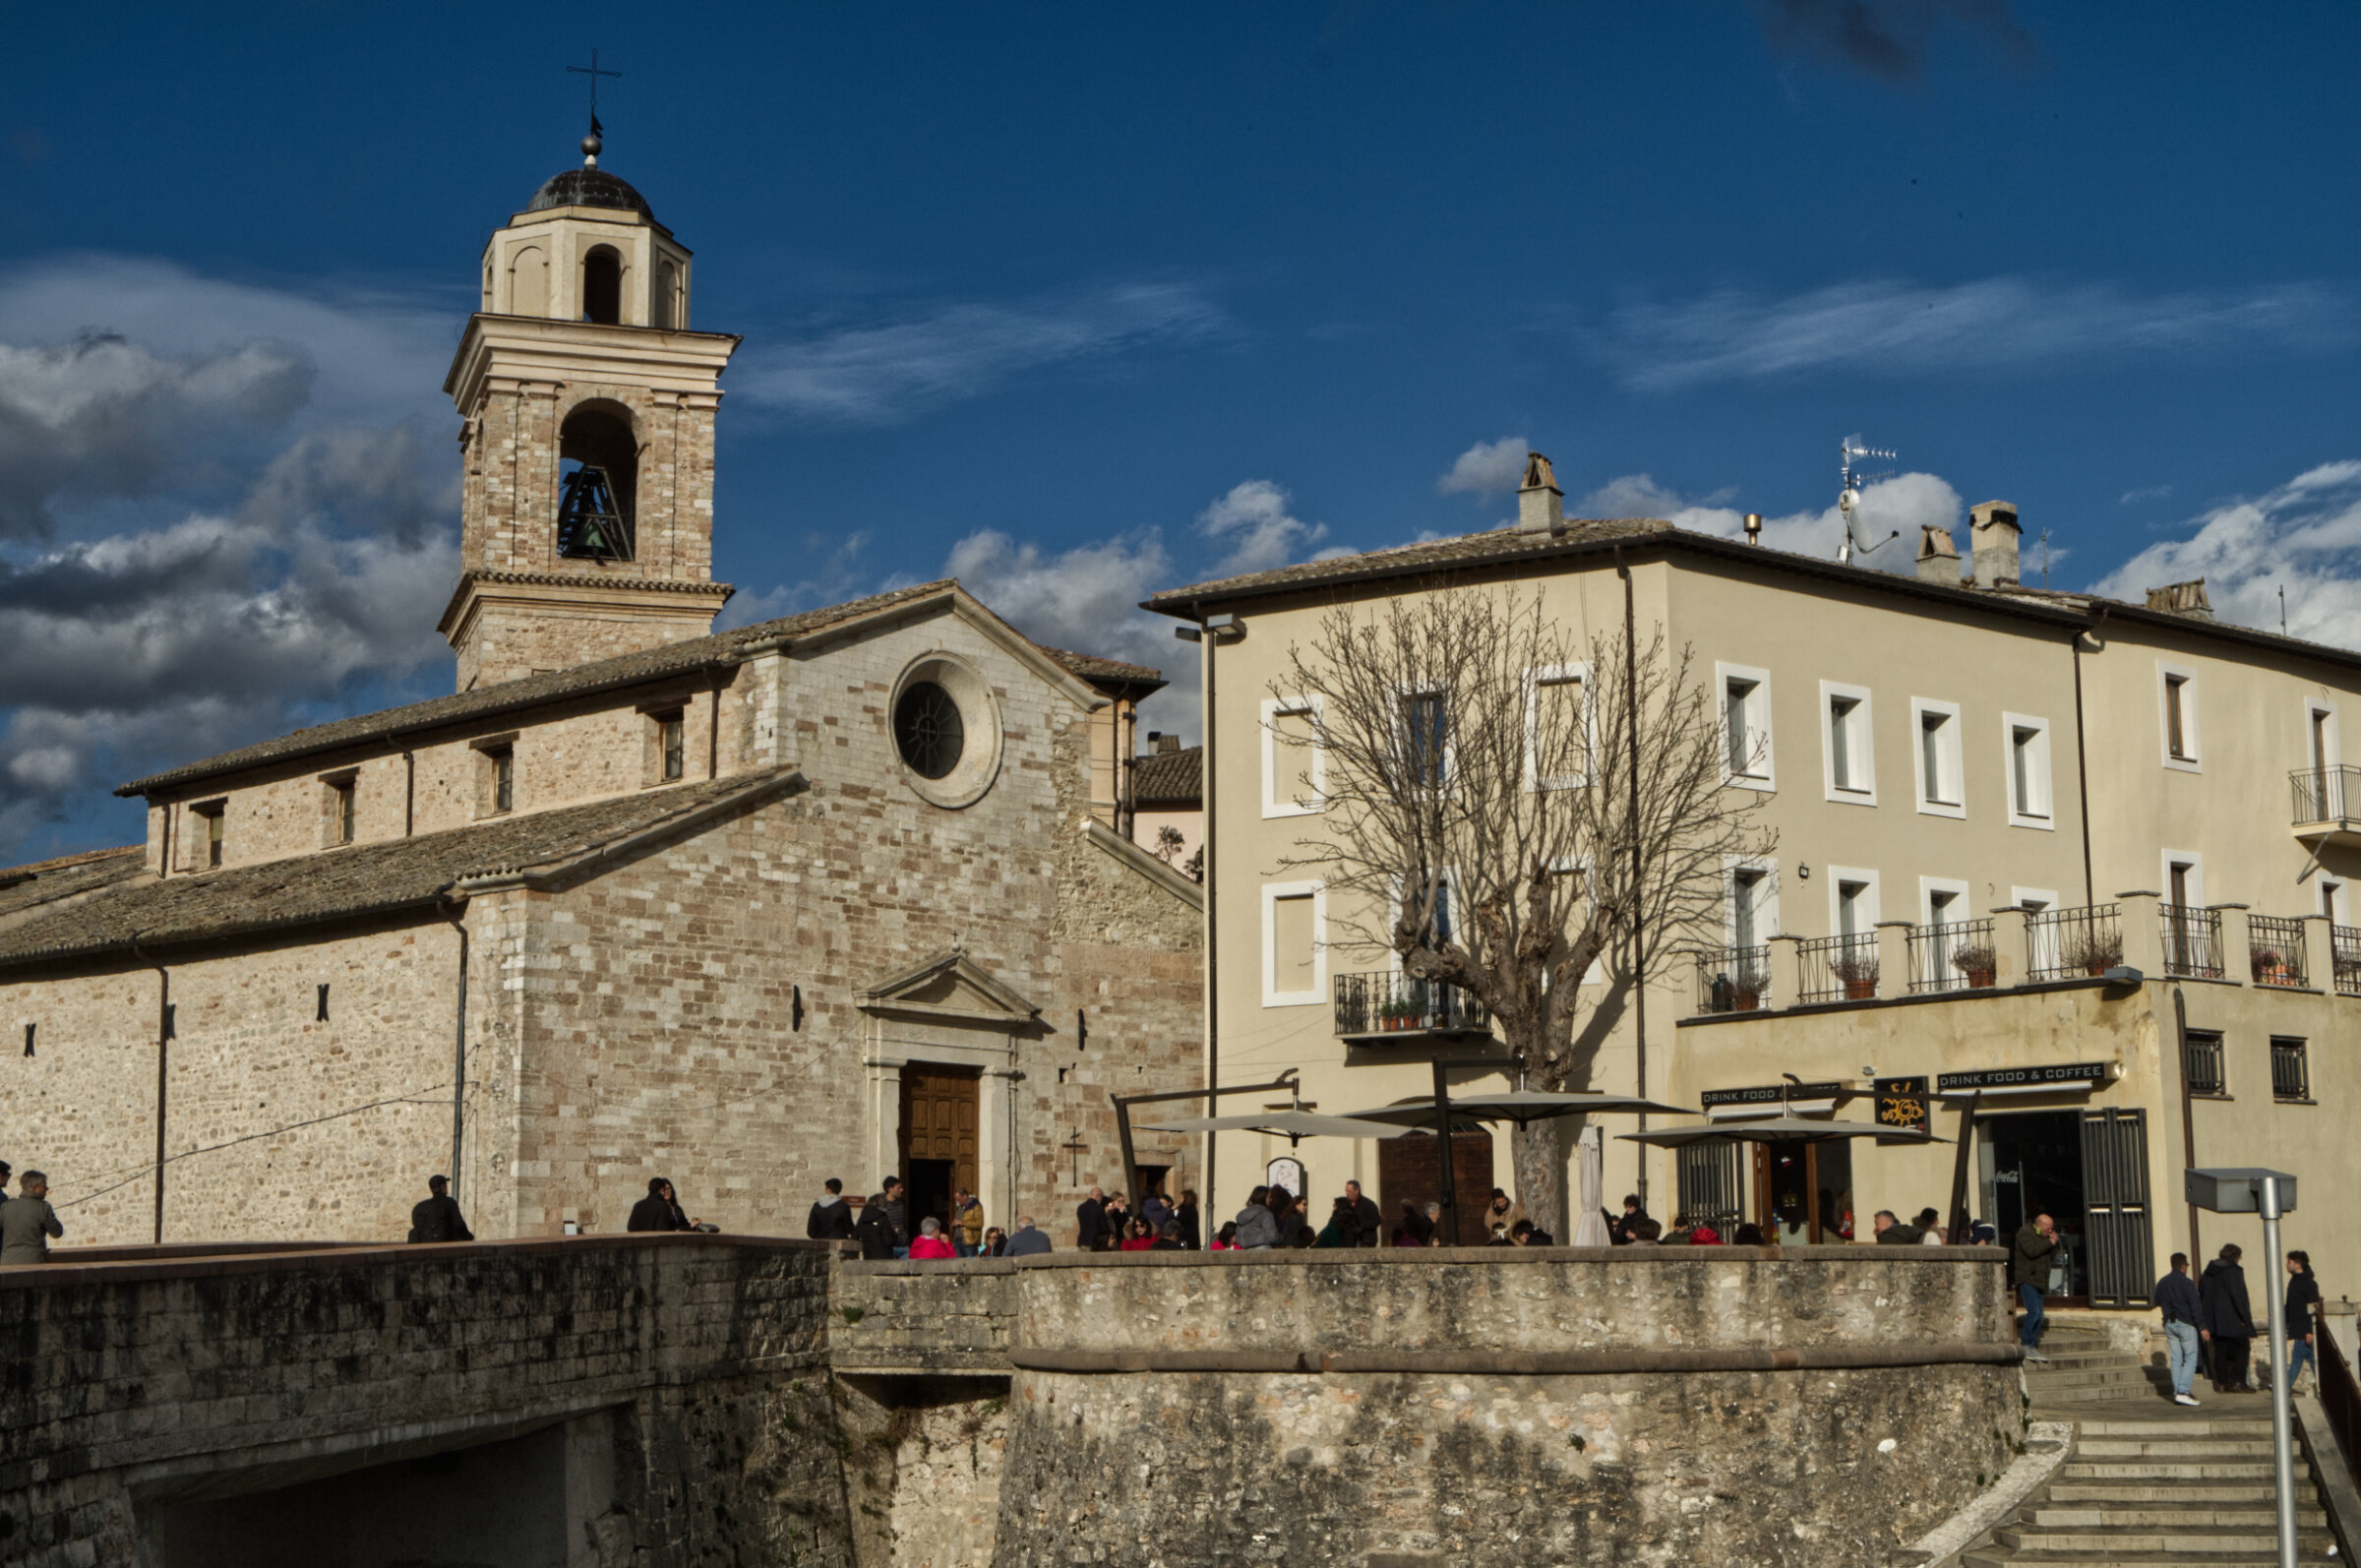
(1074, 1146)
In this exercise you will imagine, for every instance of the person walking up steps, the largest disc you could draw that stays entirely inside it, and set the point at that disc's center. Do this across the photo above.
(2229, 1319)
(2184, 1324)
(2029, 1276)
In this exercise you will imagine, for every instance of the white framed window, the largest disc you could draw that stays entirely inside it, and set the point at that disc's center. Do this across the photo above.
(1294, 953)
(1846, 752)
(1558, 715)
(2185, 877)
(2045, 952)
(2332, 901)
(1578, 870)
(2176, 715)
(1935, 758)
(1294, 765)
(1746, 756)
(2025, 770)
(1852, 901)
(1750, 900)
(1943, 901)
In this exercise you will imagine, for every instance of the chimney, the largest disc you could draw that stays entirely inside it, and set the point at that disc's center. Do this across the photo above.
(1938, 557)
(1167, 743)
(2182, 599)
(1993, 532)
(1540, 505)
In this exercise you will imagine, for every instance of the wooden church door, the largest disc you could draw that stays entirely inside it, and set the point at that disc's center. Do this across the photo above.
(940, 1108)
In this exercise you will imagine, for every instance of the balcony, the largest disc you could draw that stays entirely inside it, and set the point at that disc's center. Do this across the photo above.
(1734, 979)
(2192, 942)
(1838, 969)
(2275, 952)
(1396, 1009)
(2081, 943)
(2323, 804)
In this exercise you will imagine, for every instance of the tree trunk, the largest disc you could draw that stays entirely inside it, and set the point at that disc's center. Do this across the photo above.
(1538, 1154)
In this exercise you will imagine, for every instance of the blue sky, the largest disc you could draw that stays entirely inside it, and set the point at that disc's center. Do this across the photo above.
(1082, 302)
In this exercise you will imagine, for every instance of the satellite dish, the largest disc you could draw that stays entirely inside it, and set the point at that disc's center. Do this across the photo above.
(1849, 498)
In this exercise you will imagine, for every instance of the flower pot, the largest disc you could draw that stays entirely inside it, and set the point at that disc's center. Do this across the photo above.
(1980, 979)
(1860, 991)
(1744, 1002)
(2094, 969)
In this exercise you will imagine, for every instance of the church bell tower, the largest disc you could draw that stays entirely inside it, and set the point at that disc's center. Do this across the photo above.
(586, 512)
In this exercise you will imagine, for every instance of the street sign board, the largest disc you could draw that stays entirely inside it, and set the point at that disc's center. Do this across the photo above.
(2238, 1191)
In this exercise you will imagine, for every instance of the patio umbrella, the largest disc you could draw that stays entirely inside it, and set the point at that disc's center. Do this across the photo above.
(1524, 1107)
(1292, 1125)
(1591, 1228)
(1772, 1129)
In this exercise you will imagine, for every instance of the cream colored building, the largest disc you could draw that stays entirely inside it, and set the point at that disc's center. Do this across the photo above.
(1952, 762)
(839, 894)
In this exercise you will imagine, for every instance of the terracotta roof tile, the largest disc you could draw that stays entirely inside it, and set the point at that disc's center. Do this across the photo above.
(1169, 778)
(26, 887)
(365, 878)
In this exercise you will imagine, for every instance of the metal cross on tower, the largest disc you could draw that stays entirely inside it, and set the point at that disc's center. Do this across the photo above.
(593, 73)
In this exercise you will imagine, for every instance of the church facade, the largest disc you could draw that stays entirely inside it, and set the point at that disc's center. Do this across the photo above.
(833, 895)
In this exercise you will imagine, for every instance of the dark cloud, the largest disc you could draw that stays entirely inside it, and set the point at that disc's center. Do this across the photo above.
(1887, 39)
(103, 417)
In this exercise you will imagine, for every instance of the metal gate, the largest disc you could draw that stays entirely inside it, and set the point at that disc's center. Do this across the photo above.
(2115, 1219)
(1707, 1187)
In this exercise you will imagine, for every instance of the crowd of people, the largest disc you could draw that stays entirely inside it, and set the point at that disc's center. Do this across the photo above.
(2209, 1323)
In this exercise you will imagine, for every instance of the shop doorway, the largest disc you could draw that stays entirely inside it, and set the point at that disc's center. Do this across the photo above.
(1410, 1170)
(1803, 1191)
(2087, 1170)
(939, 1113)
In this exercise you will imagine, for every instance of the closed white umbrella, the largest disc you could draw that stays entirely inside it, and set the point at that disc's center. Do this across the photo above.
(1591, 1228)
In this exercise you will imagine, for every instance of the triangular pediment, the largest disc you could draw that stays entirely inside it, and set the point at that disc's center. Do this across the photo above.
(954, 986)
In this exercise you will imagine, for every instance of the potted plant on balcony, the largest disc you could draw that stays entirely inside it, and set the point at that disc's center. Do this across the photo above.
(1858, 969)
(1978, 963)
(2095, 952)
(2270, 966)
(1746, 990)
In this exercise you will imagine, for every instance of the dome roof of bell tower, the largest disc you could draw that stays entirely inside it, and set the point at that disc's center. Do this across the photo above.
(589, 187)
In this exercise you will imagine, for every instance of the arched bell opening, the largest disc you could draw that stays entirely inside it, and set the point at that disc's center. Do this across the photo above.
(602, 287)
(598, 474)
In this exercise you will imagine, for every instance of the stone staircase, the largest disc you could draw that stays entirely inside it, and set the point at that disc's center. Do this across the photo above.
(2191, 1487)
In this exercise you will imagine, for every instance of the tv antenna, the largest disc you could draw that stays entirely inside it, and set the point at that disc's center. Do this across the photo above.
(1851, 480)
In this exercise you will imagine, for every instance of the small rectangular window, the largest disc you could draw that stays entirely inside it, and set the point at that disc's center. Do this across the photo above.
(344, 794)
(2027, 764)
(2201, 1064)
(2178, 716)
(1425, 718)
(1846, 744)
(1737, 723)
(1854, 916)
(1557, 727)
(504, 780)
(671, 733)
(1293, 764)
(2291, 1072)
(212, 814)
(1746, 904)
(2176, 731)
(1840, 738)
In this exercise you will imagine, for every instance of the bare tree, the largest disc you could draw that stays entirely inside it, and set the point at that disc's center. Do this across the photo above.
(1478, 766)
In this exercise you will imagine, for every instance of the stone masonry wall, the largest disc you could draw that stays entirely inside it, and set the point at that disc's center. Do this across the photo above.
(279, 1124)
(711, 1350)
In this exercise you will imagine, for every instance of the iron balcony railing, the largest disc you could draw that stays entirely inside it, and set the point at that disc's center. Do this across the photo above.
(1734, 979)
(2344, 954)
(2072, 944)
(1838, 968)
(2275, 951)
(2325, 794)
(2192, 941)
(2202, 1066)
(1385, 1003)
(1953, 955)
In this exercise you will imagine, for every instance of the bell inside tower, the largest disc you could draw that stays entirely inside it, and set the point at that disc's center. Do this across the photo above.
(602, 287)
(599, 462)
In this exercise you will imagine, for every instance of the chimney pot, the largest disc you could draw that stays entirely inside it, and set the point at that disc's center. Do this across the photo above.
(2183, 599)
(1754, 527)
(1993, 531)
(1168, 742)
(1938, 555)
(1540, 505)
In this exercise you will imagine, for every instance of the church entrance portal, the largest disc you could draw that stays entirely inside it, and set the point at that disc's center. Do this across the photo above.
(939, 1116)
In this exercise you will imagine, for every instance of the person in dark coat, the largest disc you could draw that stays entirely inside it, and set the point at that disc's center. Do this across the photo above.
(1368, 1220)
(1186, 1216)
(1618, 1229)
(879, 1229)
(2029, 1276)
(1090, 1221)
(436, 1217)
(2303, 1301)
(831, 1217)
(1891, 1232)
(1415, 1230)
(2229, 1319)
(659, 1210)
(1343, 1227)
(1027, 1242)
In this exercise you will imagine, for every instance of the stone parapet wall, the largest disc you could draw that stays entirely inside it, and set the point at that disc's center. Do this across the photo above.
(924, 1317)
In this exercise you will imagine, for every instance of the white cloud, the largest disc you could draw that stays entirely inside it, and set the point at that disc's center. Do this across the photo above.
(1489, 467)
(1254, 524)
(1899, 506)
(1893, 327)
(1087, 600)
(880, 374)
(2304, 536)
